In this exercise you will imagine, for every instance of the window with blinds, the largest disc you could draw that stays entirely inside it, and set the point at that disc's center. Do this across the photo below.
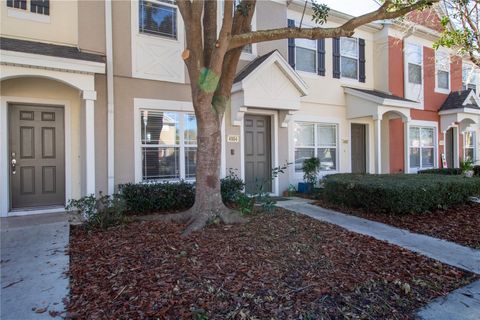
(158, 18)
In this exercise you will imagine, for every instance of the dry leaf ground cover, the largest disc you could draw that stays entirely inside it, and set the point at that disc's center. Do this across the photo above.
(280, 266)
(460, 224)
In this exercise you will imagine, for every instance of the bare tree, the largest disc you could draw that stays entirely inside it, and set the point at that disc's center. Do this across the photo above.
(461, 23)
(211, 57)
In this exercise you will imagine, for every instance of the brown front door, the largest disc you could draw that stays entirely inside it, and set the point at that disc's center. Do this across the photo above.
(36, 156)
(257, 153)
(359, 148)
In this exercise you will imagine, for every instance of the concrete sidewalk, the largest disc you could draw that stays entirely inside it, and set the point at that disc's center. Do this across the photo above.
(33, 266)
(461, 304)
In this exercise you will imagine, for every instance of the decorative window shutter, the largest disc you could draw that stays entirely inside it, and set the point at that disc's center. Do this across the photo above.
(321, 57)
(291, 45)
(336, 58)
(361, 59)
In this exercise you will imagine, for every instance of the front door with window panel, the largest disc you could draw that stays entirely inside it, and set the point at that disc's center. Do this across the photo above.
(257, 153)
(359, 148)
(36, 156)
(450, 147)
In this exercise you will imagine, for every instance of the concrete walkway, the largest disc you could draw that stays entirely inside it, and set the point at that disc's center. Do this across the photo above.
(33, 266)
(461, 304)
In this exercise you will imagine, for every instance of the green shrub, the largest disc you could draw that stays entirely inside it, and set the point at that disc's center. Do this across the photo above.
(143, 198)
(231, 187)
(476, 171)
(444, 171)
(102, 212)
(400, 193)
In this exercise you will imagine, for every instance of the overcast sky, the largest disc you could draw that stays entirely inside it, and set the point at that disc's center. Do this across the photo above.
(352, 7)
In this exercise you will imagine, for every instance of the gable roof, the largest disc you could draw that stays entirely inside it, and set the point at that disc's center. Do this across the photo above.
(251, 66)
(48, 49)
(460, 100)
(381, 94)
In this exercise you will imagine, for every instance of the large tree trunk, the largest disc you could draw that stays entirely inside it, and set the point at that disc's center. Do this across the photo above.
(208, 199)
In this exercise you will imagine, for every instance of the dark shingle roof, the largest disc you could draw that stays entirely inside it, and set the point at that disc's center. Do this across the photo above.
(456, 99)
(48, 49)
(251, 66)
(381, 94)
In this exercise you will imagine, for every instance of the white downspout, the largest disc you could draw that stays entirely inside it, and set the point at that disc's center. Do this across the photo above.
(110, 98)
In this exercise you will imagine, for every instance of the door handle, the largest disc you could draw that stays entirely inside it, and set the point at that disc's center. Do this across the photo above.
(13, 163)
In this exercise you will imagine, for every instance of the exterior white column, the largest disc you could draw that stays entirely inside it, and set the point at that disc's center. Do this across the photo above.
(406, 144)
(89, 97)
(378, 144)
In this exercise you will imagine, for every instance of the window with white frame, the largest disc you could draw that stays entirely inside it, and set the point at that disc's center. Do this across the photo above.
(469, 77)
(413, 57)
(315, 140)
(158, 17)
(306, 55)
(469, 146)
(442, 70)
(422, 147)
(36, 6)
(349, 58)
(169, 145)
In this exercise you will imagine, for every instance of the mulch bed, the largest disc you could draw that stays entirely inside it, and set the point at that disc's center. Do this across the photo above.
(280, 265)
(460, 224)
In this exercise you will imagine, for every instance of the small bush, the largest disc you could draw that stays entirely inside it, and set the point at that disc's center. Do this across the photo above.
(444, 171)
(399, 194)
(231, 187)
(102, 212)
(143, 198)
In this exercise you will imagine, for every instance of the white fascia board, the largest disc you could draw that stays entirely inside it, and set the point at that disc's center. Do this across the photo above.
(471, 96)
(460, 110)
(50, 62)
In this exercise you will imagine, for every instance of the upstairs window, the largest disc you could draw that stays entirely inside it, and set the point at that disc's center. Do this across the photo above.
(306, 55)
(469, 77)
(18, 4)
(442, 70)
(349, 58)
(158, 17)
(36, 6)
(413, 58)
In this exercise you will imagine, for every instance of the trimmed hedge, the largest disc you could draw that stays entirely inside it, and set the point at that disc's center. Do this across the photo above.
(399, 193)
(157, 197)
(444, 171)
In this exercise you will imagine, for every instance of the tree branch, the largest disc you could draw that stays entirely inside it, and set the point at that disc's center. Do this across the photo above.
(346, 30)
(209, 29)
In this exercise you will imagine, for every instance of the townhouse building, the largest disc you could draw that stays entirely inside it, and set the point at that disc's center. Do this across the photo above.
(95, 94)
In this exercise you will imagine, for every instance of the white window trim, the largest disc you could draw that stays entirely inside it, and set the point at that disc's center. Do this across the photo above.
(407, 61)
(357, 58)
(316, 58)
(315, 147)
(428, 125)
(474, 70)
(437, 68)
(472, 147)
(181, 145)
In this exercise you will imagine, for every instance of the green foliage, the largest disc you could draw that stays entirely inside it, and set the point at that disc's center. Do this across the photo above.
(399, 194)
(102, 212)
(466, 165)
(263, 197)
(244, 203)
(320, 12)
(444, 171)
(143, 198)
(310, 170)
(231, 187)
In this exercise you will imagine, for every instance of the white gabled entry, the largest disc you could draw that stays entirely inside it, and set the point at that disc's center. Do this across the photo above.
(270, 88)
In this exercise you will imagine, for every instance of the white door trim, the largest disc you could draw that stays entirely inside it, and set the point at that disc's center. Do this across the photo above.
(4, 159)
(274, 144)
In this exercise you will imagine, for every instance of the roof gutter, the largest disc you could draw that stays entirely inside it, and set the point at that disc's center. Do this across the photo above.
(110, 98)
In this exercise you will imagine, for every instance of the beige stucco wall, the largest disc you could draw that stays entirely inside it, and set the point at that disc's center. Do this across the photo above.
(101, 172)
(91, 26)
(277, 18)
(60, 27)
(39, 88)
